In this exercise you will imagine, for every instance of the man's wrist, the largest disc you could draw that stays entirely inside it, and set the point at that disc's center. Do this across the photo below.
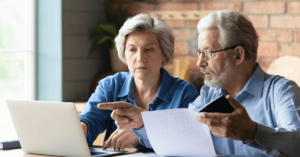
(252, 134)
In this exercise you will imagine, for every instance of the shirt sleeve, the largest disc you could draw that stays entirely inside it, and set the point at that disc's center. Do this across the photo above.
(143, 138)
(285, 138)
(95, 118)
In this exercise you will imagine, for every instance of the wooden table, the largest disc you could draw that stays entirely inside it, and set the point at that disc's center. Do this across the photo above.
(20, 153)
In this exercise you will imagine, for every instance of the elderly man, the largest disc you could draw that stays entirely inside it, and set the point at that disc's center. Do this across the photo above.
(266, 118)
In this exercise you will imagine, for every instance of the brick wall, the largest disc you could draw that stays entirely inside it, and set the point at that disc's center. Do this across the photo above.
(277, 23)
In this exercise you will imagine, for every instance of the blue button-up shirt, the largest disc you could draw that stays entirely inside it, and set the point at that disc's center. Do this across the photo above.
(273, 102)
(172, 93)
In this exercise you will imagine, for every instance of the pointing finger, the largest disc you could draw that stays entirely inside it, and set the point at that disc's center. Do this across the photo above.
(114, 105)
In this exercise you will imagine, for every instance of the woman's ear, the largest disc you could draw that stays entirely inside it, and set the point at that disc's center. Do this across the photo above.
(164, 60)
(239, 55)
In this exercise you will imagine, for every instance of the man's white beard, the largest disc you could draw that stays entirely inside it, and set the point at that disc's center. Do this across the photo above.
(217, 81)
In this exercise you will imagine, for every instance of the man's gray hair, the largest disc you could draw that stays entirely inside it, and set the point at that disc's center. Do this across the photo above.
(146, 23)
(234, 30)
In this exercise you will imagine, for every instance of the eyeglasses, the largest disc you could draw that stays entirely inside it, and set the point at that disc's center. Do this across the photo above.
(207, 54)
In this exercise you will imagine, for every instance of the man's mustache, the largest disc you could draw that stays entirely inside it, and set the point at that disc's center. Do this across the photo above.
(206, 70)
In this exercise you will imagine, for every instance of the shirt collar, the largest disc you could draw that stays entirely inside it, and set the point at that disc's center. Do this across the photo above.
(163, 91)
(127, 88)
(254, 85)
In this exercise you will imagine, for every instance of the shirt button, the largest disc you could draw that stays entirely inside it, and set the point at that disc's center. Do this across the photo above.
(150, 109)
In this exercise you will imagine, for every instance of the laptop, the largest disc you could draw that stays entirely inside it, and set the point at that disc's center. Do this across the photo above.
(51, 128)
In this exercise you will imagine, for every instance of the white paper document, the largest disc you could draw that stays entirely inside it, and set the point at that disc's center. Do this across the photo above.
(175, 132)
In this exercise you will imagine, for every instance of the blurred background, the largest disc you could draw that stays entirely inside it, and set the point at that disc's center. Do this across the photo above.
(53, 50)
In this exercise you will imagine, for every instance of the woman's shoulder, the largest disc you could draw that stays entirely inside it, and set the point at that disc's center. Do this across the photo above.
(118, 78)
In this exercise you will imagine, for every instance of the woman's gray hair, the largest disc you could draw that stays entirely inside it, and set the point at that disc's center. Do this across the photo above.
(146, 23)
(234, 30)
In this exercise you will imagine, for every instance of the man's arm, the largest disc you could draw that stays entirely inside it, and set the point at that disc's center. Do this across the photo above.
(285, 138)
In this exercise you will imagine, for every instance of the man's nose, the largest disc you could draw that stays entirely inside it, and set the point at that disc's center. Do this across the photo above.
(201, 61)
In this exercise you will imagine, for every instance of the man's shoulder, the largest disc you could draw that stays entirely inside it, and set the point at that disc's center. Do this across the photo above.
(277, 82)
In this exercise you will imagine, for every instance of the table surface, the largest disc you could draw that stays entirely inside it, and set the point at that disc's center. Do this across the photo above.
(20, 153)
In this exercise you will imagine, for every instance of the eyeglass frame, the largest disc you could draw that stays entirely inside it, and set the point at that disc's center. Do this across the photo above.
(207, 58)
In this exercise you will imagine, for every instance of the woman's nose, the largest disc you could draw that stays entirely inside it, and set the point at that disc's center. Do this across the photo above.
(140, 56)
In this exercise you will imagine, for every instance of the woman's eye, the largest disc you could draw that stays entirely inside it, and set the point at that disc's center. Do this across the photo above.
(149, 49)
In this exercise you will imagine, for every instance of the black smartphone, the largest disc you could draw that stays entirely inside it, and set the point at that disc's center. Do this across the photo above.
(220, 104)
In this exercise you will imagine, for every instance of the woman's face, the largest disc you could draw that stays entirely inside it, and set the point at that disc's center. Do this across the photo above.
(143, 55)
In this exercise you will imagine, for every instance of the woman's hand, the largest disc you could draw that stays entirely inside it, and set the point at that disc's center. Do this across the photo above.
(121, 139)
(125, 114)
(84, 127)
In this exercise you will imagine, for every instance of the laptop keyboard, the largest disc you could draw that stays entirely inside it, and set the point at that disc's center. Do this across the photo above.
(97, 153)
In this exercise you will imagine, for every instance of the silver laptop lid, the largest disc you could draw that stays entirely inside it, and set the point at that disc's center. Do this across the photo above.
(51, 128)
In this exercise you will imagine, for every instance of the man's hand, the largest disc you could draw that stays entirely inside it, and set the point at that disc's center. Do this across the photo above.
(121, 139)
(236, 125)
(126, 115)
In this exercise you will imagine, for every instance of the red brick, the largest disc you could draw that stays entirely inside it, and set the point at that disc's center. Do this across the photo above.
(236, 6)
(259, 21)
(290, 49)
(182, 48)
(297, 36)
(193, 23)
(285, 22)
(275, 35)
(294, 7)
(179, 6)
(175, 23)
(181, 34)
(139, 7)
(265, 62)
(192, 59)
(264, 7)
(267, 50)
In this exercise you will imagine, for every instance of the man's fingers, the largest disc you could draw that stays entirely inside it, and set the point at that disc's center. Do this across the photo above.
(114, 105)
(127, 112)
(107, 144)
(235, 104)
(207, 121)
(216, 116)
(119, 119)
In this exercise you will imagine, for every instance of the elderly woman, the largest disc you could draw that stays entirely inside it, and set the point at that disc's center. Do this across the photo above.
(145, 44)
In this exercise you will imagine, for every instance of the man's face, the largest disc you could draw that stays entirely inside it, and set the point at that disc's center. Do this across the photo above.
(218, 69)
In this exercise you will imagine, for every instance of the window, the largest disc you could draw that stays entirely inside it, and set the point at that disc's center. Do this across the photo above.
(17, 58)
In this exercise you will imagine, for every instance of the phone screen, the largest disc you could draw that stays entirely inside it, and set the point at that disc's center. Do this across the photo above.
(220, 104)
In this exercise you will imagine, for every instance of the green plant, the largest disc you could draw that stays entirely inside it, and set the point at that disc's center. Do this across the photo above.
(103, 35)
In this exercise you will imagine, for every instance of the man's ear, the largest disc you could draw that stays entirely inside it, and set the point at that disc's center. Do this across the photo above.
(239, 55)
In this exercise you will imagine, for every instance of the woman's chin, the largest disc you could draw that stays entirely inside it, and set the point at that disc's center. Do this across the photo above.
(141, 75)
